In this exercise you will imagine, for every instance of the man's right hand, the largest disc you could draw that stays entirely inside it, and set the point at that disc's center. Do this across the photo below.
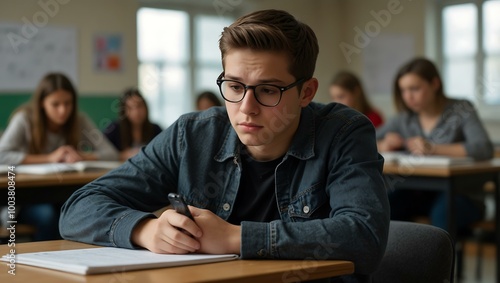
(168, 234)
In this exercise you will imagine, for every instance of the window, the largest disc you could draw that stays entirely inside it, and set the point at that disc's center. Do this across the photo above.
(471, 50)
(178, 58)
(491, 43)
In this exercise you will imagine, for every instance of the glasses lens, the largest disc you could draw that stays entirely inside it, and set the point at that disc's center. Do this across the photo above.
(268, 95)
(232, 91)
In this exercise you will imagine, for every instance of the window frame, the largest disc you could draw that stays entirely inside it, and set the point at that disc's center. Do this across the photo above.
(487, 110)
(192, 9)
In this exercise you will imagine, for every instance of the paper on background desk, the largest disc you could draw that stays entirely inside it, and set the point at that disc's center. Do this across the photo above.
(406, 159)
(4, 168)
(108, 260)
(48, 168)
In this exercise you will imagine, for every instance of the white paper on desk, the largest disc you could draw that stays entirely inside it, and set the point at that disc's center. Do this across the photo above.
(108, 260)
(48, 168)
(424, 160)
(391, 157)
(4, 168)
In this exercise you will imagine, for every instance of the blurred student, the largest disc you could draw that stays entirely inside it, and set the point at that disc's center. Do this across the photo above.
(429, 123)
(49, 129)
(347, 89)
(206, 100)
(133, 129)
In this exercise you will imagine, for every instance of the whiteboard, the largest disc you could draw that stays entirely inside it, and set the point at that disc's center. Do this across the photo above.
(27, 53)
(382, 58)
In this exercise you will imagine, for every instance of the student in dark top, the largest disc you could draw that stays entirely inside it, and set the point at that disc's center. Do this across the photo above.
(133, 129)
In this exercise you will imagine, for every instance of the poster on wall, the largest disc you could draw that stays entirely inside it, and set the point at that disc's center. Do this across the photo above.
(29, 52)
(108, 52)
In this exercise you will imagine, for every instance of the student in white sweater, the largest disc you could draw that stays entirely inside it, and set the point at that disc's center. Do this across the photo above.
(49, 129)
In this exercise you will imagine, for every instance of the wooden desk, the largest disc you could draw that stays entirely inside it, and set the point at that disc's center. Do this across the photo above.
(50, 188)
(452, 179)
(231, 271)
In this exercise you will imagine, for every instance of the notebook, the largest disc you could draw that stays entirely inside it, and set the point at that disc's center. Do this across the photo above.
(107, 260)
(48, 168)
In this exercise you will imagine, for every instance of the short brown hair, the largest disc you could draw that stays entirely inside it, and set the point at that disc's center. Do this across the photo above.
(274, 30)
(423, 68)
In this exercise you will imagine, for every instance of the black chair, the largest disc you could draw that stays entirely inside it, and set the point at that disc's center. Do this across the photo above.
(417, 253)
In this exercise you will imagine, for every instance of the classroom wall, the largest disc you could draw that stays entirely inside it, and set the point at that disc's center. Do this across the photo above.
(416, 18)
(93, 16)
(333, 21)
(96, 90)
(89, 17)
(408, 20)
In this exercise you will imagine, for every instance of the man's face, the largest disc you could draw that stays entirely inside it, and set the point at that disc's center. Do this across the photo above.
(266, 131)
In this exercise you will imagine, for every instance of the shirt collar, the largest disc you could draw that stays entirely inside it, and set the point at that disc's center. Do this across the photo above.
(302, 146)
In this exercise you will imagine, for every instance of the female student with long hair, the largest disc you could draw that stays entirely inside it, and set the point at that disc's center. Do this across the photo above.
(50, 129)
(347, 89)
(133, 129)
(429, 123)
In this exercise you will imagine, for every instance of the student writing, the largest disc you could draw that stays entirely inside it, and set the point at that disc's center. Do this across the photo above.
(50, 129)
(429, 123)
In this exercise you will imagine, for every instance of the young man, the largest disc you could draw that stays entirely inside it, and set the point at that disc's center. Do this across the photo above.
(272, 175)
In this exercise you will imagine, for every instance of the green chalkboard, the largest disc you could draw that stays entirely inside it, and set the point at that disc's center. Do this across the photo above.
(100, 108)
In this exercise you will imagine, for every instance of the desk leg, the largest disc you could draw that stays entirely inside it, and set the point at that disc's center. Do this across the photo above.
(452, 224)
(497, 225)
(451, 205)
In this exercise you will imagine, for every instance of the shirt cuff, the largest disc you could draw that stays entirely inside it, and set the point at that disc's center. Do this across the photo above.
(121, 231)
(256, 240)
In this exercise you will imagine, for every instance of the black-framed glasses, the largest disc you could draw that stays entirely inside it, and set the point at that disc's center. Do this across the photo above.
(266, 94)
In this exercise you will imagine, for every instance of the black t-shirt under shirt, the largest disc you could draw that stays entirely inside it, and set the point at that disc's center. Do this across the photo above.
(256, 198)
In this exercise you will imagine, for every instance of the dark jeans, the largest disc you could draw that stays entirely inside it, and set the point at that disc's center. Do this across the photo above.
(45, 218)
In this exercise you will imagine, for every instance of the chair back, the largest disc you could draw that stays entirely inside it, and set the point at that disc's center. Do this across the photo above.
(417, 253)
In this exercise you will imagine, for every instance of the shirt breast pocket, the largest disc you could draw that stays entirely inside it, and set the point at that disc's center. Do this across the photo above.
(311, 203)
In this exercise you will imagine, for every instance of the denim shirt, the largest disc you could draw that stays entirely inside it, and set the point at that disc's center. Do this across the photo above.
(329, 188)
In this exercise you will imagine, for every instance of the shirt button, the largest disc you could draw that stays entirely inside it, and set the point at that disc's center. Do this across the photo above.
(305, 209)
(226, 206)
